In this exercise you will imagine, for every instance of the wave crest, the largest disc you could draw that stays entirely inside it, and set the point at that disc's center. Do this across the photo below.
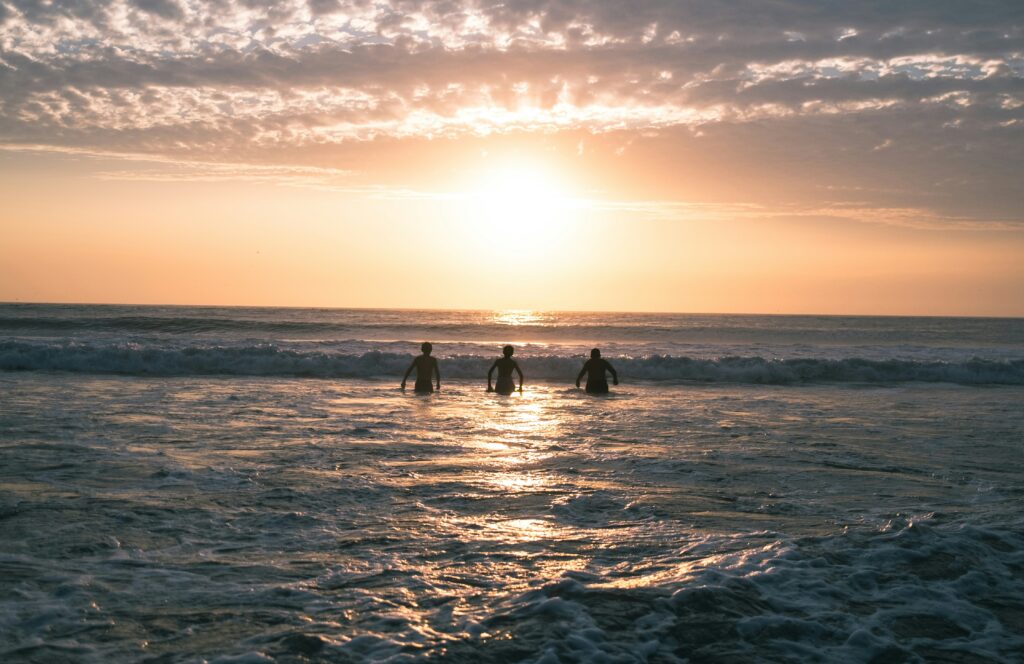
(270, 360)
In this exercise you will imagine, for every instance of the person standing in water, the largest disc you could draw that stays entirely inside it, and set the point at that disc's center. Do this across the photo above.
(505, 365)
(595, 368)
(426, 367)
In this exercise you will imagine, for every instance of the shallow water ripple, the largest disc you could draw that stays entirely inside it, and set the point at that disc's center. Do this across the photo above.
(251, 519)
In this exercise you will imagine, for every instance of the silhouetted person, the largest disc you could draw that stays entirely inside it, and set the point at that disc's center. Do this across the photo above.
(595, 369)
(505, 365)
(426, 367)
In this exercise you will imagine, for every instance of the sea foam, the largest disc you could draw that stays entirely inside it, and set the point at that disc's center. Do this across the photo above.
(272, 360)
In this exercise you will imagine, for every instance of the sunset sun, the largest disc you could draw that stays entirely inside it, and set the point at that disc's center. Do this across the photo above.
(526, 201)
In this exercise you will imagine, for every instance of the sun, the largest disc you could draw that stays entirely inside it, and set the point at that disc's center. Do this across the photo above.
(524, 201)
(520, 197)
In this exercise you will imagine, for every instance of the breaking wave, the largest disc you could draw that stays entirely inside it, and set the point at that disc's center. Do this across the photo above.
(271, 360)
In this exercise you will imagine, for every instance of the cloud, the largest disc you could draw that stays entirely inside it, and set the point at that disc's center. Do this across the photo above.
(167, 9)
(939, 83)
(155, 168)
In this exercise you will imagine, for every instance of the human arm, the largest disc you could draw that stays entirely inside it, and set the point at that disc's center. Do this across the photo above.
(437, 373)
(582, 371)
(407, 372)
(615, 374)
(489, 372)
(520, 372)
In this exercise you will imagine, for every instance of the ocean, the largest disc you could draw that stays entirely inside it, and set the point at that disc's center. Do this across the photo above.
(244, 485)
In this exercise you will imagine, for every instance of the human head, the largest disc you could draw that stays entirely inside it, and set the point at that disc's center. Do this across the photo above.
(595, 353)
(426, 347)
(508, 350)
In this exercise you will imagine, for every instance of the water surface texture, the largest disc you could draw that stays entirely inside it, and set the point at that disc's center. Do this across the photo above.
(243, 485)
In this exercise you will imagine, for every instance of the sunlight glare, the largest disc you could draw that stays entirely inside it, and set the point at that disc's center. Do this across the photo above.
(523, 202)
(516, 317)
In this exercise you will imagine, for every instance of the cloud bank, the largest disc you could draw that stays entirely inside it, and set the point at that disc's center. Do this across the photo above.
(923, 96)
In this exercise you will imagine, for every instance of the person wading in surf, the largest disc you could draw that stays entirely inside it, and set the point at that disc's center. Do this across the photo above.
(426, 367)
(595, 368)
(505, 365)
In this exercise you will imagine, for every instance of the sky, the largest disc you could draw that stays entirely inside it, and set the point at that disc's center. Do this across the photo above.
(793, 156)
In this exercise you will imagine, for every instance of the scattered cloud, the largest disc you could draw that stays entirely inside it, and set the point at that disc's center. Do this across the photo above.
(914, 89)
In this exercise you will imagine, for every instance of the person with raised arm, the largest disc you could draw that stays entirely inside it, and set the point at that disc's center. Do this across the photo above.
(426, 367)
(595, 368)
(505, 365)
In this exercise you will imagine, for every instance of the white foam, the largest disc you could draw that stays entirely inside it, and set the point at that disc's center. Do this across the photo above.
(271, 360)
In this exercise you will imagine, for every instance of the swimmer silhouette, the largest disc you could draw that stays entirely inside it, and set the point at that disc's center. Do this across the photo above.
(505, 365)
(595, 368)
(425, 366)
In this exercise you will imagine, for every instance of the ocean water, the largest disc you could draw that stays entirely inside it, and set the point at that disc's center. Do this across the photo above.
(250, 485)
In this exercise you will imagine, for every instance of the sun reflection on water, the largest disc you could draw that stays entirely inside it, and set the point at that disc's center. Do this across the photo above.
(518, 482)
(530, 419)
(525, 530)
(512, 443)
(515, 317)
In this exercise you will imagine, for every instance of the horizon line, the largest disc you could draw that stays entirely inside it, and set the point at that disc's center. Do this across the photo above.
(474, 309)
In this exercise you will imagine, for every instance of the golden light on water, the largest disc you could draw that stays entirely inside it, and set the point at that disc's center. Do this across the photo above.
(490, 445)
(518, 482)
(529, 424)
(516, 317)
(524, 530)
